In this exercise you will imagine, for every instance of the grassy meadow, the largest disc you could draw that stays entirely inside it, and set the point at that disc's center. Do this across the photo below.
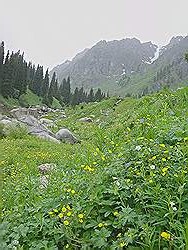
(124, 187)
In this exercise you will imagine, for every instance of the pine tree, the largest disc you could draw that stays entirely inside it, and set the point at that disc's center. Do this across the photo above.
(186, 57)
(1, 64)
(98, 95)
(65, 91)
(75, 97)
(45, 88)
(7, 88)
(91, 95)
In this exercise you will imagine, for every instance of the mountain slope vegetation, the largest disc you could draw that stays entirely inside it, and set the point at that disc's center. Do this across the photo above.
(124, 187)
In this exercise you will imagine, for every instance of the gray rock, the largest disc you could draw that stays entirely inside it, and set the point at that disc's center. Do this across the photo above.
(46, 168)
(85, 119)
(44, 181)
(46, 122)
(65, 135)
(37, 129)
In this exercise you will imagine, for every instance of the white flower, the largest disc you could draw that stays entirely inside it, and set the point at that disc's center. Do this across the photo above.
(138, 148)
(152, 166)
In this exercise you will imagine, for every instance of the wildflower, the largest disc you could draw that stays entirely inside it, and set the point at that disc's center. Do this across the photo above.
(116, 213)
(165, 235)
(100, 225)
(55, 210)
(69, 213)
(138, 148)
(64, 209)
(163, 159)
(69, 190)
(73, 191)
(81, 216)
(162, 145)
(95, 153)
(60, 215)
(66, 223)
(68, 207)
(122, 244)
(50, 213)
(103, 158)
(152, 166)
(97, 149)
(81, 221)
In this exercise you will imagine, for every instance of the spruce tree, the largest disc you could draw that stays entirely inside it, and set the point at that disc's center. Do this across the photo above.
(45, 88)
(98, 95)
(75, 97)
(65, 91)
(1, 63)
(186, 57)
(91, 95)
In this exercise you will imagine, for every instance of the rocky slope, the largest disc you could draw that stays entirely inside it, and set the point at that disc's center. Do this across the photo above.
(127, 65)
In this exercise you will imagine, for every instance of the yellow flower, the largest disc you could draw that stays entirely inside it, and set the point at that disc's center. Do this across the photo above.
(162, 145)
(100, 225)
(122, 244)
(81, 221)
(51, 213)
(69, 213)
(116, 213)
(163, 159)
(68, 207)
(64, 209)
(60, 215)
(55, 210)
(66, 223)
(69, 190)
(154, 157)
(95, 153)
(81, 216)
(97, 149)
(103, 158)
(73, 191)
(165, 235)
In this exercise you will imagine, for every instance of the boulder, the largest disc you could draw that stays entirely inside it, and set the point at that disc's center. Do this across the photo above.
(65, 135)
(35, 128)
(86, 119)
(46, 168)
(47, 122)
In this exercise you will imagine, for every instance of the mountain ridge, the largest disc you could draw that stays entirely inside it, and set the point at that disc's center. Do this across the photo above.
(107, 62)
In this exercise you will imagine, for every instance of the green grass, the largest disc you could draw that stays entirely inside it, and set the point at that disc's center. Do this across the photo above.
(125, 185)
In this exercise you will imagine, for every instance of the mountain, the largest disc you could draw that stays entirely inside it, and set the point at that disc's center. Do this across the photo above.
(128, 66)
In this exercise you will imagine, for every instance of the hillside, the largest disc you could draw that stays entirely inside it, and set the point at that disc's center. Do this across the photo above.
(125, 186)
(128, 66)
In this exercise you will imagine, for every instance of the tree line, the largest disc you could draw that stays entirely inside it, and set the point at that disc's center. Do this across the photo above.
(17, 76)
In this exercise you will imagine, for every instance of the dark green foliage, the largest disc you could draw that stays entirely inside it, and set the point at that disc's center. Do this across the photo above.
(65, 91)
(186, 57)
(75, 97)
(17, 76)
(98, 95)
(1, 62)
(91, 96)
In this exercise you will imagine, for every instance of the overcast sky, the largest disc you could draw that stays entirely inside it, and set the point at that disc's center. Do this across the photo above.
(51, 31)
